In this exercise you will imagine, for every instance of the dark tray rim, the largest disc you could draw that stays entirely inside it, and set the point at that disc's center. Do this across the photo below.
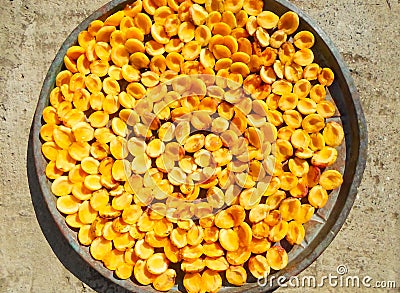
(359, 150)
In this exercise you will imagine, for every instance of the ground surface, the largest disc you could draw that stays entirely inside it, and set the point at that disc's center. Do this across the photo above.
(366, 32)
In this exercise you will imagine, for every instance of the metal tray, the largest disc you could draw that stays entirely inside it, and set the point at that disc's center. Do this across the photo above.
(327, 221)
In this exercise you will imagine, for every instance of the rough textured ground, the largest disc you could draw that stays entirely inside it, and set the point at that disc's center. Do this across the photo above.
(366, 32)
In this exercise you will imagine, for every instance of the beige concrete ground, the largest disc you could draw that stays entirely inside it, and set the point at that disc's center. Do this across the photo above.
(366, 32)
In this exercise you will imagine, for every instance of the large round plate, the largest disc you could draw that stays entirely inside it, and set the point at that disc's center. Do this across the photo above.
(324, 225)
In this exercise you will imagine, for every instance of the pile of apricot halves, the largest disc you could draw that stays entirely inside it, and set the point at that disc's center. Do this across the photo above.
(191, 137)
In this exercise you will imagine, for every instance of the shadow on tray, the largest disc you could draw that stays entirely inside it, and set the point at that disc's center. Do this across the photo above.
(68, 257)
(60, 246)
